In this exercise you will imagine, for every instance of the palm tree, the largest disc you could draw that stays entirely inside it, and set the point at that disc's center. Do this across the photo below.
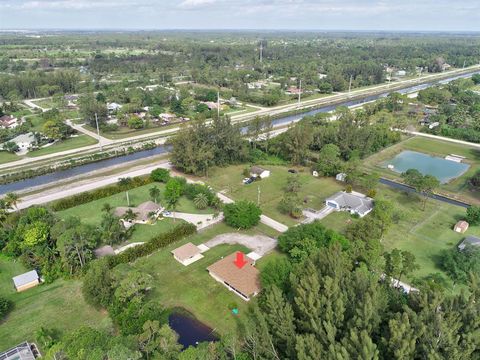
(154, 194)
(201, 201)
(129, 215)
(107, 208)
(12, 199)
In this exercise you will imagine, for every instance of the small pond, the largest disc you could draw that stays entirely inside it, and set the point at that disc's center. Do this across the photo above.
(190, 331)
(444, 170)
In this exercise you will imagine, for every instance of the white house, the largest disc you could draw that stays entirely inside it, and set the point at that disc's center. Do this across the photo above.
(257, 171)
(354, 203)
(26, 281)
(113, 107)
(187, 254)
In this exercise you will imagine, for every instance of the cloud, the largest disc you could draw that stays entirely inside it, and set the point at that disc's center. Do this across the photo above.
(196, 4)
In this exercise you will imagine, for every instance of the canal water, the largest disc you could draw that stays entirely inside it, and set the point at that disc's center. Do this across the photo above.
(190, 331)
(83, 169)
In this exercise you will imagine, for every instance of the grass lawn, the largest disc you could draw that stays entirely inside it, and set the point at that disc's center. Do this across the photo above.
(59, 305)
(125, 132)
(68, 144)
(90, 213)
(191, 287)
(424, 233)
(314, 190)
(457, 188)
(8, 157)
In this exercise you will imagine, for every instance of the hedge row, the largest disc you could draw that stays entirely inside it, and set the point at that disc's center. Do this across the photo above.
(86, 197)
(158, 242)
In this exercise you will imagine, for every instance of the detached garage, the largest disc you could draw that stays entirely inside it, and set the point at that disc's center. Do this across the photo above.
(26, 281)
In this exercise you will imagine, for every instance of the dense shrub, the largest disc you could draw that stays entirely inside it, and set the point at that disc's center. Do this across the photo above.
(106, 191)
(97, 287)
(242, 214)
(154, 244)
(300, 241)
(5, 306)
(460, 264)
(473, 215)
(160, 175)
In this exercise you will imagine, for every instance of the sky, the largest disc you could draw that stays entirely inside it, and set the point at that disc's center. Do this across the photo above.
(398, 15)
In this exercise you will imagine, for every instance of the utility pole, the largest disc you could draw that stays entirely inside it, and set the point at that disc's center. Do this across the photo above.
(98, 132)
(128, 199)
(218, 104)
(258, 195)
(464, 63)
(350, 84)
(300, 93)
(261, 51)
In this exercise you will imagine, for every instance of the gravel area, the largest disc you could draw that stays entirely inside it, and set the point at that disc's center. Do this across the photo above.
(259, 243)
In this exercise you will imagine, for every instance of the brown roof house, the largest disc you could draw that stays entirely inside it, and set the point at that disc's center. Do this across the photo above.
(146, 212)
(8, 122)
(244, 281)
(187, 254)
(461, 226)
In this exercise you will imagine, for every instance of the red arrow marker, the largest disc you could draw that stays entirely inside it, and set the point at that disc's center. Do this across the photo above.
(240, 261)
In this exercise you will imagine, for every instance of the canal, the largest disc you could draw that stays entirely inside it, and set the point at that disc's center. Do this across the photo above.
(83, 169)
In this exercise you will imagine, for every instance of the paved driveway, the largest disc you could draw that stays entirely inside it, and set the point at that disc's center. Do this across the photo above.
(258, 243)
(199, 220)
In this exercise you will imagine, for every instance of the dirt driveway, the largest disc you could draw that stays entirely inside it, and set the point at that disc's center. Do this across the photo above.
(258, 243)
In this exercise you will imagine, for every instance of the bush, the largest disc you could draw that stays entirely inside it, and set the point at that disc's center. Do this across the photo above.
(89, 196)
(160, 175)
(473, 215)
(151, 246)
(5, 307)
(242, 214)
(301, 241)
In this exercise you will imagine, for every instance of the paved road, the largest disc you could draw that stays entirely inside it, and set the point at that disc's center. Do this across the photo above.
(71, 189)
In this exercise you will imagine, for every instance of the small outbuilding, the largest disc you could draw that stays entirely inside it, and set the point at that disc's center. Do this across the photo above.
(461, 226)
(469, 241)
(26, 281)
(187, 254)
(257, 171)
(341, 177)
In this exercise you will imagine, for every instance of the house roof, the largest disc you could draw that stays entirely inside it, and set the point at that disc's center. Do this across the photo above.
(257, 170)
(24, 138)
(22, 351)
(462, 224)
(246, 280)
(469, 240)
(25, 278)
(142, 211)
(352, 201)
(186, 251)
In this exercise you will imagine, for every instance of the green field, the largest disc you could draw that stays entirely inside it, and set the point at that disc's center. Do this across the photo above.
(68, 144)
(458, 188)
(191, 287)
(313, 193)
(8, 157)
(58, 306)
(424, 233)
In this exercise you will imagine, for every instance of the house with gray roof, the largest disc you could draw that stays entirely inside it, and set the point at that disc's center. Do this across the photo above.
(23, 351)
(26, 281)
(354, 202)
(469, 241)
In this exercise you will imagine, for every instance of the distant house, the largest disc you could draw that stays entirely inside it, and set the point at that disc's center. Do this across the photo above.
(166, 117)
(355, 203)
(257, 171)
(469, 241)
(461, 226)
(8, 122)
(341, 177)
(112, 107)
(24, 141)
(293, 90)
(211, 105)
(244, 281)
(144, 212)
(23, 351)
(26, 281)
(187, 254)
(400, 73)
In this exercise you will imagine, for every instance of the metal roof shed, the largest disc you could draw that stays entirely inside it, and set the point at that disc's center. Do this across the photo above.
(26, 281)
